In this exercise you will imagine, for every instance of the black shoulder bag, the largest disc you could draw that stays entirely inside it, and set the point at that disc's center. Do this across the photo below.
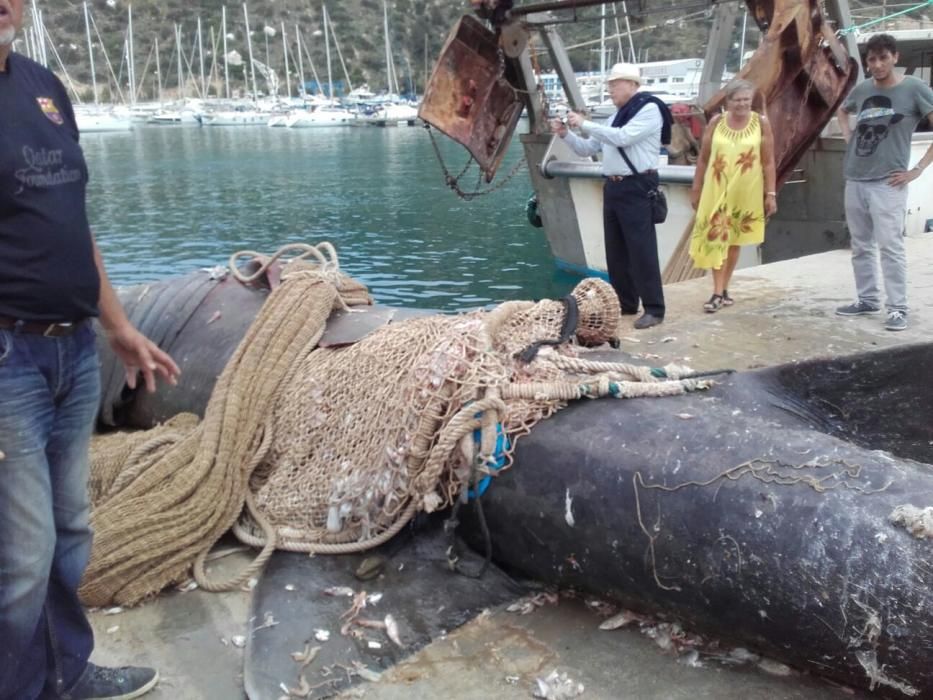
(656, 196)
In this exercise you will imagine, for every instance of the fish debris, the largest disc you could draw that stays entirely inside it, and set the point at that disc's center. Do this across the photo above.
(557, 687)
(392, 631)
(340, 591)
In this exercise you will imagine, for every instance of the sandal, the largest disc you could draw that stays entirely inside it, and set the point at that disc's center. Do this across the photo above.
(726, 299)
(714, 304)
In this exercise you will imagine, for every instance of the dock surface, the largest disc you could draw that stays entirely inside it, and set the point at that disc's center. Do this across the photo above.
(784, 312)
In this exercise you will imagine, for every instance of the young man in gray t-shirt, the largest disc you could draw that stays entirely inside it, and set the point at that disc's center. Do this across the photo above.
(888, 107)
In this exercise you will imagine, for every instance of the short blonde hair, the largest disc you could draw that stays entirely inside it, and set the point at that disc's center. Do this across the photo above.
(739, 85)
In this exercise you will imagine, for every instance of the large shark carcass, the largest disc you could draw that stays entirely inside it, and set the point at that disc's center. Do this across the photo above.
(783, 509)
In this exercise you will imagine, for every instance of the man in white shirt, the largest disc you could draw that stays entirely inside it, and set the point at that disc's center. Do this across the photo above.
(630, 237)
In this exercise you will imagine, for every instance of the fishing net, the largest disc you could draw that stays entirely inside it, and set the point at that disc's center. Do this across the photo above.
(334, 449)
(402, 421)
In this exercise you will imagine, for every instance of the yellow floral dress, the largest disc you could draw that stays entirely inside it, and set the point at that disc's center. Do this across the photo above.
(731, 210)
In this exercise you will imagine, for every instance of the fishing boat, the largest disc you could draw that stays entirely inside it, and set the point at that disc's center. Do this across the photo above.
(802, 88)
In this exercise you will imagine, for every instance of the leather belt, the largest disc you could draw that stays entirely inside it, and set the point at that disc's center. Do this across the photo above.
(49, 330)
(620, 178)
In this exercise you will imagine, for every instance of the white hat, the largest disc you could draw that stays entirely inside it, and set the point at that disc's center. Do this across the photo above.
(624, 71)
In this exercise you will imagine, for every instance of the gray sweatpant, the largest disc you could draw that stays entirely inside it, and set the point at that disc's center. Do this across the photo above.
(875, 214)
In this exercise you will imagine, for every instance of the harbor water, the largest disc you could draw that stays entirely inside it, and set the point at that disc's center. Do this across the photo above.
(166, 200)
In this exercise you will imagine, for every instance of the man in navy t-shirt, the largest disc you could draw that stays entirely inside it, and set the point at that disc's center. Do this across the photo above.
(52, 281)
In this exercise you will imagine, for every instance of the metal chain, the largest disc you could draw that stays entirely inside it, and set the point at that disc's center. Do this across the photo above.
(453, 182)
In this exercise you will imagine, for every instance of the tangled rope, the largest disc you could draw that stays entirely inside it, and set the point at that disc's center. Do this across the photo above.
(156, 520)
(335, 449)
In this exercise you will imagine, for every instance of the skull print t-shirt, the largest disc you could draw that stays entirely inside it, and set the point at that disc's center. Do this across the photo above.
(885, 121)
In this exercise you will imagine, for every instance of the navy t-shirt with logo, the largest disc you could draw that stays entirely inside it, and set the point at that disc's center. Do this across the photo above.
(47, 270)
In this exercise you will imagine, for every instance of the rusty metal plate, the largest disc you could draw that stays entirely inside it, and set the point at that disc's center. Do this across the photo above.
(801, 71)
(469, 98)
(348, 327)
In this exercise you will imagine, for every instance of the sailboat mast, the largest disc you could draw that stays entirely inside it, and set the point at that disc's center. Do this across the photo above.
(330, 80)
(249, 45)
(90, 52)
(628, 30)
(158, 69)
(288, 80)
(131, 63)
(181, 77)
(301, 63)
(226, 67)
(385, 27)
(201, 59)
(39, 37)
(602, 53)
(343, 64)
(317, 80)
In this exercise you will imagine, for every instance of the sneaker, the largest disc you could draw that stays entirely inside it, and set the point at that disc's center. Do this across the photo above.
(859, 308)
(101, 683)
(897, 321)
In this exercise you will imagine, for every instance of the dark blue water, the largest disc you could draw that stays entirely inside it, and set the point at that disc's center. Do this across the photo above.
(166, 200)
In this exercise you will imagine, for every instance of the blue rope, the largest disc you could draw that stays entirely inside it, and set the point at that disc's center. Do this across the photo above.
(852, 30)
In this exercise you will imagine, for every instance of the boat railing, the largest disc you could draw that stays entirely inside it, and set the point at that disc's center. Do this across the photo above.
(668, 174)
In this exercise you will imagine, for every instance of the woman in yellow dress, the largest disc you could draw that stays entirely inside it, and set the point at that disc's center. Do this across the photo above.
(733, 189)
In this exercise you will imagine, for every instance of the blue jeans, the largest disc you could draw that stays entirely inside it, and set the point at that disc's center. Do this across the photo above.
(49, 389)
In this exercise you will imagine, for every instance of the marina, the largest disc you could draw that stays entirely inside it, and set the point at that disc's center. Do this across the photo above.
(165, 201)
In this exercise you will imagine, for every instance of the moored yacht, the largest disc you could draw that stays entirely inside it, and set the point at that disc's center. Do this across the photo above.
(97, 120)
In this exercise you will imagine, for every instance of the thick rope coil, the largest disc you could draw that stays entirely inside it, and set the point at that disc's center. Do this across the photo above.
(162, 521)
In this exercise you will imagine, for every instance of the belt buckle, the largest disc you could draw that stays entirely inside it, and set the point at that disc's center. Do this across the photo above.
(49, 332)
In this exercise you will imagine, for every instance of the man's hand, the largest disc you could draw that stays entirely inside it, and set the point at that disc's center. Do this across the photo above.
(139, 354)
(575, 119)
(558, 127)
(902, 177)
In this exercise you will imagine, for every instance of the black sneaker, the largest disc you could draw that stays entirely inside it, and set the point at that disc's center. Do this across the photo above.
(647, 320)
(101, 683)
(859, 308)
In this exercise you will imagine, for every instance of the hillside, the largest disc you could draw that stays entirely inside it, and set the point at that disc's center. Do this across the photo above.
(418, 29)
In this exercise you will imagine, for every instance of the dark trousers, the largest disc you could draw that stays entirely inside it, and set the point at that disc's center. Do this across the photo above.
(632, 244)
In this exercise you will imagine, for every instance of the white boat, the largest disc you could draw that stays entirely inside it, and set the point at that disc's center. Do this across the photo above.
(246, 117)
(390, 115)
(175, 116)
(323, 116)
(99, 121)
